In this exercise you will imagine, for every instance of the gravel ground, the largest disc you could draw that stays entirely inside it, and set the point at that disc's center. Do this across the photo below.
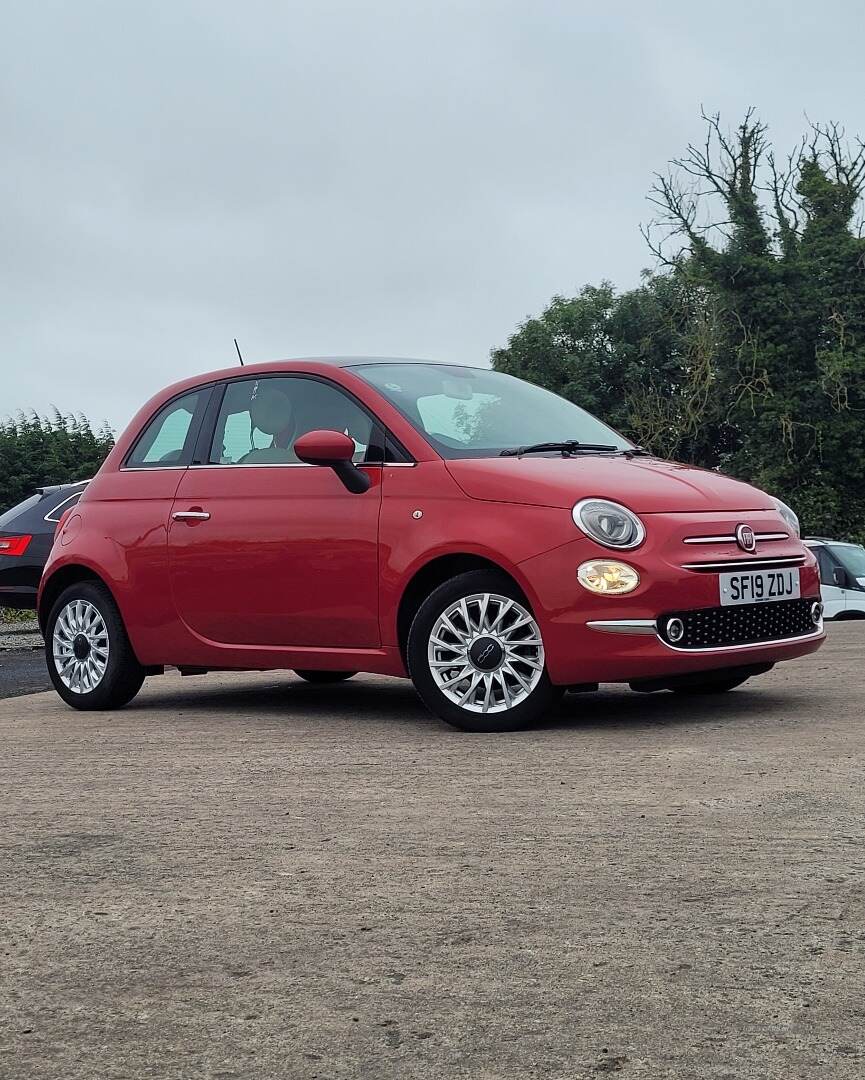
(23, 672)
(249, 877)
(19, 635)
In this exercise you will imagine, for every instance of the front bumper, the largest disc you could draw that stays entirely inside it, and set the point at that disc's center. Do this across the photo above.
(590, 638)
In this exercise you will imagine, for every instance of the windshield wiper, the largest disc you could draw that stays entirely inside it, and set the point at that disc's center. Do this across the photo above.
(569, 446)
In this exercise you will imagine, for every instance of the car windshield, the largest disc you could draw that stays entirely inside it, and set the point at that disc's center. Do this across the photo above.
(852, 558)
(474, 412)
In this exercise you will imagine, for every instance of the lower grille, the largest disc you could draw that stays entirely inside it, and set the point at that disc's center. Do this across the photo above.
(745, 624)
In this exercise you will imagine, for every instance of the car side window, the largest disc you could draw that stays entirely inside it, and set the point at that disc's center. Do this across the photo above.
(65, 504)
(165, 439)
(825, 566)
(260, 420)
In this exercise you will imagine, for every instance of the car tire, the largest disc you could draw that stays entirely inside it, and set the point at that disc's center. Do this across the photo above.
(475, 655)
(325, 676)
(711, 686)
(90, 660)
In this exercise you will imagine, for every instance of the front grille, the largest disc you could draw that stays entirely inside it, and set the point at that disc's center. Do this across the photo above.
(744, 624)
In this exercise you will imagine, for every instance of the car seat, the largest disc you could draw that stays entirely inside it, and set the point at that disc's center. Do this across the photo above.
(270, 412)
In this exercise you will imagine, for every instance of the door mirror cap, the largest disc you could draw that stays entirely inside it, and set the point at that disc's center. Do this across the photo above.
(839, 577)
(324, 447)
(335, 450)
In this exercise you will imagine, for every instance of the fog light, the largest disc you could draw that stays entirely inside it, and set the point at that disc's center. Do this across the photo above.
(675, 630)
(816, 613)
(608, 578)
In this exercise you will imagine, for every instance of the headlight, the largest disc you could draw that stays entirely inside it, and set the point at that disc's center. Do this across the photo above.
(788, 515)
(612, 525)
(608, 578)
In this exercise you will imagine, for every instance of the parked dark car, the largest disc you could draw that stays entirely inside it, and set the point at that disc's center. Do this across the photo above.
(26, 536)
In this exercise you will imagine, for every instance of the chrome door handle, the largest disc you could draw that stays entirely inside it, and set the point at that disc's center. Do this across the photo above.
(191, 515)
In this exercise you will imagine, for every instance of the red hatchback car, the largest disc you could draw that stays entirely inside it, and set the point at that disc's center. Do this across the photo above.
(490, 540)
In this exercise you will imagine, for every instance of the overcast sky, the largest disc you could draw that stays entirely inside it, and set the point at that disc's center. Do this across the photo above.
(409, 177)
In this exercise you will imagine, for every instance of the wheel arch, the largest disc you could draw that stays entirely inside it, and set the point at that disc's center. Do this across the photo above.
(434, 573)
(53, 586)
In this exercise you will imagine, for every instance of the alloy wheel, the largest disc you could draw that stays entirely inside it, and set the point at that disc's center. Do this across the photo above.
(80, 646)
(485, 653)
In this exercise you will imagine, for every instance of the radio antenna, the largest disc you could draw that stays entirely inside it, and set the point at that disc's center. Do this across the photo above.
(239, 357)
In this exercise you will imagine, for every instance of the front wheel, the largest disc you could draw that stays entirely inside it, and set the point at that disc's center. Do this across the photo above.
(90, 659)
(476, 656)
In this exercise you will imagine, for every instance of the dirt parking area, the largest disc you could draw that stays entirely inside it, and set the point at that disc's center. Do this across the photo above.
(250, 877)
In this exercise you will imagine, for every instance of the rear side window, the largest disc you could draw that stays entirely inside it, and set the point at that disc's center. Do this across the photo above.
(167, 439)
(65, 504)
(825, 565)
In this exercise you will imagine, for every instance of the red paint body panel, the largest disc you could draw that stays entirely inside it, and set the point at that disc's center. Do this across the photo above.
(288, 558)
(644, 485)
(291, 570)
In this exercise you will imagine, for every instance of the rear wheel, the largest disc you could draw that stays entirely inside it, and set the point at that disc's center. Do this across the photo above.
(476, 656)
(90, 659)
(325, 676)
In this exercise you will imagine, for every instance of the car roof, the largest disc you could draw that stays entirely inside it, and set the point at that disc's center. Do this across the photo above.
(304, 362)
(356, 361)
(52, 489)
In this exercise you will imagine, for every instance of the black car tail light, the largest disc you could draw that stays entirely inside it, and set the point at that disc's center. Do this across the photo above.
(14, 545)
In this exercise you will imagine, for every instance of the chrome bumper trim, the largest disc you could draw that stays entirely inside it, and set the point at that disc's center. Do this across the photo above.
(648, 627)
(775, 562)
(624, 626)
(759, 537)
(818, 630)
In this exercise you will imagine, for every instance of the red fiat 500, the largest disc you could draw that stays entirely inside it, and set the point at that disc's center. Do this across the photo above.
(490, 540)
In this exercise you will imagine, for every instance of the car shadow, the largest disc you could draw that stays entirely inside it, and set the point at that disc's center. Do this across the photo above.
(617, 706)
(283, 695)
(366, 700)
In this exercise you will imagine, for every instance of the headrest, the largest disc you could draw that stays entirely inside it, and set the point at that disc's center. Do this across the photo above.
(270, 409)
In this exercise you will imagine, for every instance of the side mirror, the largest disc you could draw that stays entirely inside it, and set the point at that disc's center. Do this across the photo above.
(839, 577)
(335, 450)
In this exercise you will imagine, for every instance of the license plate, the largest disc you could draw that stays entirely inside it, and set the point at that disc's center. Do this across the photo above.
(759, 586)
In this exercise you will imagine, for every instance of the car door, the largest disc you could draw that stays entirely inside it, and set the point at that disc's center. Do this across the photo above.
(834, 598)
(265, 550)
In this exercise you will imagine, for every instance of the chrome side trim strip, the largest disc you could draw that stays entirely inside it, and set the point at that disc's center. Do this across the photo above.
(818, 631)
(732, 539)
(624, 626)
(301, 465)
(264, 465)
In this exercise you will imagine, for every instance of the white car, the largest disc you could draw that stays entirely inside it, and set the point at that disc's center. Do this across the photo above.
(842, 577)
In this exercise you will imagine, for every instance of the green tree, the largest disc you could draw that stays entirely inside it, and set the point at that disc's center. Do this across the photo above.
(745, 350)
(778, 249)
(644, 361)
(36, 451)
